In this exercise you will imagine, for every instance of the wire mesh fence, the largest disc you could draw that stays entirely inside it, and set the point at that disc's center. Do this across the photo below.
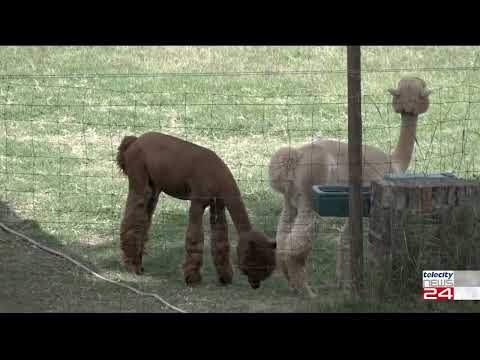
(60, 135)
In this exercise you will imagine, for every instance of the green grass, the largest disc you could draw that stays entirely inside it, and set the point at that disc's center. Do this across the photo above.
(59, 136)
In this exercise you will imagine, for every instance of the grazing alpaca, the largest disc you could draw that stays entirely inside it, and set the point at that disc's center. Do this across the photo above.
(293, 171)
(155, 162)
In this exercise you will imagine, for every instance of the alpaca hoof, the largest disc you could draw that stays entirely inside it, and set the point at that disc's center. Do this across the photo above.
(225, 282)
(255, 284)
(294, 290)
(193, 279)
(137, 270)
(225, 278)
(307, 293)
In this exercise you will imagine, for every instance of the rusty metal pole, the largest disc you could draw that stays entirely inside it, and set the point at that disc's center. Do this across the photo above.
(355, 167)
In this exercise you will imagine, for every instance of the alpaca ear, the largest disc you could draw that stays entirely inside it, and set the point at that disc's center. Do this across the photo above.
(425, 93)
(263, 243)
(394, 92)
(270, 244)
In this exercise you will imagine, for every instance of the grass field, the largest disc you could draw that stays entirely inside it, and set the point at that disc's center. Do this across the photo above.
(64, 111)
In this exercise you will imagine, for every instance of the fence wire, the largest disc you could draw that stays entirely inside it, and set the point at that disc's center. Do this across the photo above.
(60, 135)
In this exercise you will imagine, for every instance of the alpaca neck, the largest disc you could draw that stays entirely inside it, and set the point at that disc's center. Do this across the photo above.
(238, 213)
(406, 142)
(236, 207)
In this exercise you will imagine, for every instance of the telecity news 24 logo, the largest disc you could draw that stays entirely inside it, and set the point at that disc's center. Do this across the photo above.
(451, 285)
(438, 285)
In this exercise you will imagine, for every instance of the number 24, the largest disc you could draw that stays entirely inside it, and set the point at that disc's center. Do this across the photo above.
(434, 293)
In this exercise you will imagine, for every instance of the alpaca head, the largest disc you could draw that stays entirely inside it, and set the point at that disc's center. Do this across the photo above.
(256, 256)
(411, 96)
(281, 169)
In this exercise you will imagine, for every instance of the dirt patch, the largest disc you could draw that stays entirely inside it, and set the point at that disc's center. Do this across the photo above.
(36, 281)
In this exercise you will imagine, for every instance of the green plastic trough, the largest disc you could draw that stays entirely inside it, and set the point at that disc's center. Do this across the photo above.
(332, 201)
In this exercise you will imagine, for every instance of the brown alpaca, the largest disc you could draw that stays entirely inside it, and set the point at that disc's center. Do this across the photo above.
(156, 162)
(293, 171)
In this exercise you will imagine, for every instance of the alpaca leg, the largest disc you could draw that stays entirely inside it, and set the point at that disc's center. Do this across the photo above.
(298, 276)
(299, 247)
(133, 232)
(151, 201)
(219, 242)
(134, 225)
(194, 244)
(284, 228)
(343, 272)
(282, 264)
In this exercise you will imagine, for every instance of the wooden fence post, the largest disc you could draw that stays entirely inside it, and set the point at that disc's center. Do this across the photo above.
(355, 167)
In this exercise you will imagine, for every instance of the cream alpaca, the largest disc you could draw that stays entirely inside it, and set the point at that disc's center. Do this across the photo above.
(293, 171)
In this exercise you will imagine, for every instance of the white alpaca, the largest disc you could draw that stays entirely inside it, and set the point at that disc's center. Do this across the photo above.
(293, 172)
